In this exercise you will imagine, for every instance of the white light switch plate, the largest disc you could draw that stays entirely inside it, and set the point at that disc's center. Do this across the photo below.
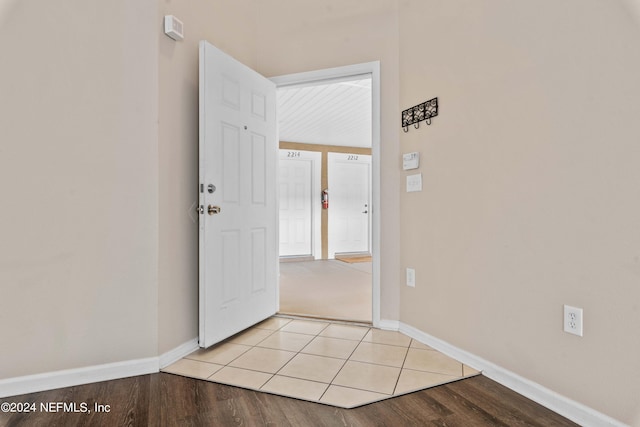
(410, 161)
(414, 182)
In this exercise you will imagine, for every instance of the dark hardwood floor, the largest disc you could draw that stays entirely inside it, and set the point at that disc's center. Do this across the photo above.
(170, 400)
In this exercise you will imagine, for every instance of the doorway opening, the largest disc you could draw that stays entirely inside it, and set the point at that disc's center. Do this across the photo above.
(328, 190)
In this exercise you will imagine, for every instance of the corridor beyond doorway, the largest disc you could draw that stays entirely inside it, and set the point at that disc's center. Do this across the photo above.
(328, 289)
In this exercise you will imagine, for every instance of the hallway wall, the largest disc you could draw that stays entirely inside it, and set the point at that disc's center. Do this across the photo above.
(78, 179)
(531, 192)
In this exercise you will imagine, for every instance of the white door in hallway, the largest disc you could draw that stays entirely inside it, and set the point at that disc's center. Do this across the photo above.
(349, 203)
(238, 206)
(297, 170)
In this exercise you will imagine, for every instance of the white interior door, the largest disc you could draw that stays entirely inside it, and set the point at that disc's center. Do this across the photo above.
(296, 207)
(349, 178)
(238, 206)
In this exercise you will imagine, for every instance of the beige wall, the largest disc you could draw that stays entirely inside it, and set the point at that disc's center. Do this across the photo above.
(531, 178)
(295, 36)
(531, 188)
(78, 181)
(228, 24)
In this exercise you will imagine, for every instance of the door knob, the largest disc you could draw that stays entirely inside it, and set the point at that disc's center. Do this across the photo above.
(365, 211)
(212, 210)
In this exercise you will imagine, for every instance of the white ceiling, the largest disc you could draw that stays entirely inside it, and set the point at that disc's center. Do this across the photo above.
(335, 113)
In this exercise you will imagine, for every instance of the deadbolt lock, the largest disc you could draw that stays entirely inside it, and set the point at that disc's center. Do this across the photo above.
(213, 210)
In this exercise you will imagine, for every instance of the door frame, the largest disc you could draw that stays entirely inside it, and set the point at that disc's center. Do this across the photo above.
(326, 75)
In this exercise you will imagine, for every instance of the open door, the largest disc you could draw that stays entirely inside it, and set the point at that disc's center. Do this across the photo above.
(299, 214)
(238, 205)
(349, 178)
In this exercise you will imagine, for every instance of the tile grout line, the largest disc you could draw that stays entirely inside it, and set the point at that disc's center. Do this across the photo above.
(375, 364)
(364, 389)
(273, 331)
(402, 367)
(273, 375)
(461, 376)
(345, 362)
(226, 364)
(293, 357)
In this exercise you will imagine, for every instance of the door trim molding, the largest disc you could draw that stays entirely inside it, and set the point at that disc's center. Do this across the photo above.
(372, 69)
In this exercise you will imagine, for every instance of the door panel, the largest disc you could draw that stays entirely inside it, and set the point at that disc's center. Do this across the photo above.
(349, 178)
(230, 266)
(231, 165)
(238, 156)
(259, 169)
(296, 202)
(259, 266)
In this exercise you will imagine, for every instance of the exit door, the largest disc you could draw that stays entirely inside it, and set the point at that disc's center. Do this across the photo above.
(349, 178)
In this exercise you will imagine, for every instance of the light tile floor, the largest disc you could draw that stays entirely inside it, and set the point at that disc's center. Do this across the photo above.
(325, 362)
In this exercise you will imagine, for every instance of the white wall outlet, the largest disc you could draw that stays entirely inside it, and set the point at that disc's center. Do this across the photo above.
(573, 320)
(411, 277)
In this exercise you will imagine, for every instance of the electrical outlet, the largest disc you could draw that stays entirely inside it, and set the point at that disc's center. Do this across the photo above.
(573, 320)
(411, 277)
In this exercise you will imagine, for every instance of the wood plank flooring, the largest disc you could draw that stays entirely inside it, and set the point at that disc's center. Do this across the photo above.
(170, 400)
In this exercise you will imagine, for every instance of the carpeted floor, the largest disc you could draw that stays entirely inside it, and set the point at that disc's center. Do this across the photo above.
(327, 289)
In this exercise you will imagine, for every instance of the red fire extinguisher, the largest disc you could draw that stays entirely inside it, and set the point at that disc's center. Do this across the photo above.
(325, 199)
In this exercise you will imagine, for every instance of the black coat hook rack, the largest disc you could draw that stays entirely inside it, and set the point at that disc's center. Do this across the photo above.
(419, 113)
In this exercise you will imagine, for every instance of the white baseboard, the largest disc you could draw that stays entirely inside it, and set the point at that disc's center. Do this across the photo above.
(389, 325)
(91, 374)
(562, 405)
(72, 377)
(178, 353)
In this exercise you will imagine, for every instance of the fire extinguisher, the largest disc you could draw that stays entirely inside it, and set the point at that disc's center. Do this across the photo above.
(325, 199)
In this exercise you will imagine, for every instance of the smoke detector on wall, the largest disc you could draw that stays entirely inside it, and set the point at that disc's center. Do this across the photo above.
(173, 27)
